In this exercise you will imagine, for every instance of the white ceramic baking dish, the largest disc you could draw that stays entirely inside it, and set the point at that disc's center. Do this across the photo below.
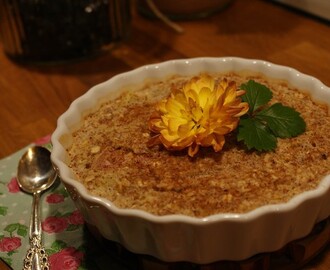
(183, 238)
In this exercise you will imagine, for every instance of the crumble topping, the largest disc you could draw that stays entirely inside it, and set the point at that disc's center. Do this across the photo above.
(110, 156)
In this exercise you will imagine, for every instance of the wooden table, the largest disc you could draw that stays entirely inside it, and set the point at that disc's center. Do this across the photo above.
(32, 97)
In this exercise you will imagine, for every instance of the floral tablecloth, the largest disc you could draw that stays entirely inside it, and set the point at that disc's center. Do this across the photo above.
(68, 243)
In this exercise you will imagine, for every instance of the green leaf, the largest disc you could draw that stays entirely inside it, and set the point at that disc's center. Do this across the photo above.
(283, 121)
(22, 230)
(260, 127)
(63, 192)
(58, 245)
(3, 210)
(255, 135)
(12, 227)
(256, 95)
(51, 251)
(11, 253)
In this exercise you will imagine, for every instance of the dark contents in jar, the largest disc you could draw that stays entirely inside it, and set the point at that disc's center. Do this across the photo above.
(47, 30)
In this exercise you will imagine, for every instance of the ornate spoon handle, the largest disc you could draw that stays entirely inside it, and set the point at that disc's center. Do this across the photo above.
(36, 257)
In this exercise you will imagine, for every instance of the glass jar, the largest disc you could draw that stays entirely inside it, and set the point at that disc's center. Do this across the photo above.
(60, 30)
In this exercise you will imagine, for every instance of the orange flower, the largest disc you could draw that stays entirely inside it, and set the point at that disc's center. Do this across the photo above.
(199, 114)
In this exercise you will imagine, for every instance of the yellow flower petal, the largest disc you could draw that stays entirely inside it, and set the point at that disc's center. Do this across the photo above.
(191, 95)
(174, 107)
(186, 130)
(193, 149)
(231, 94)
(219, 141)
(204, 96)
(222, 130)
(161, 106)
(168, 138)
(174, 123)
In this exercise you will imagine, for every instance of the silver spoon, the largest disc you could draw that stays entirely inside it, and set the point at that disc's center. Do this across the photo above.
(35, 173)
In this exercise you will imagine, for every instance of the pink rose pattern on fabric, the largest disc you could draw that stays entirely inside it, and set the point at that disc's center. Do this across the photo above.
(8, 244)
(55, 198)
(43, 140)
(76, 218)
(54, 224)
(13, 186)
(67, 259)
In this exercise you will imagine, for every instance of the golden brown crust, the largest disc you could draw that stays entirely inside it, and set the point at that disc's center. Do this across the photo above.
(110, 156)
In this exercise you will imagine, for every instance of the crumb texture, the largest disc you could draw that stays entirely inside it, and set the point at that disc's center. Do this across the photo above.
(109, 155)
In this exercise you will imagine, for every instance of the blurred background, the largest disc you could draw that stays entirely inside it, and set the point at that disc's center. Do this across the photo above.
(54, 31)
(41, 31)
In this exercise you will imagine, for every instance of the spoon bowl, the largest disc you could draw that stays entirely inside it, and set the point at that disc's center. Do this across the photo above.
(35, 173)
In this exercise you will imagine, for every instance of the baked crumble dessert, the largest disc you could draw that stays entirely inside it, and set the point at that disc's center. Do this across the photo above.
(111, 157)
